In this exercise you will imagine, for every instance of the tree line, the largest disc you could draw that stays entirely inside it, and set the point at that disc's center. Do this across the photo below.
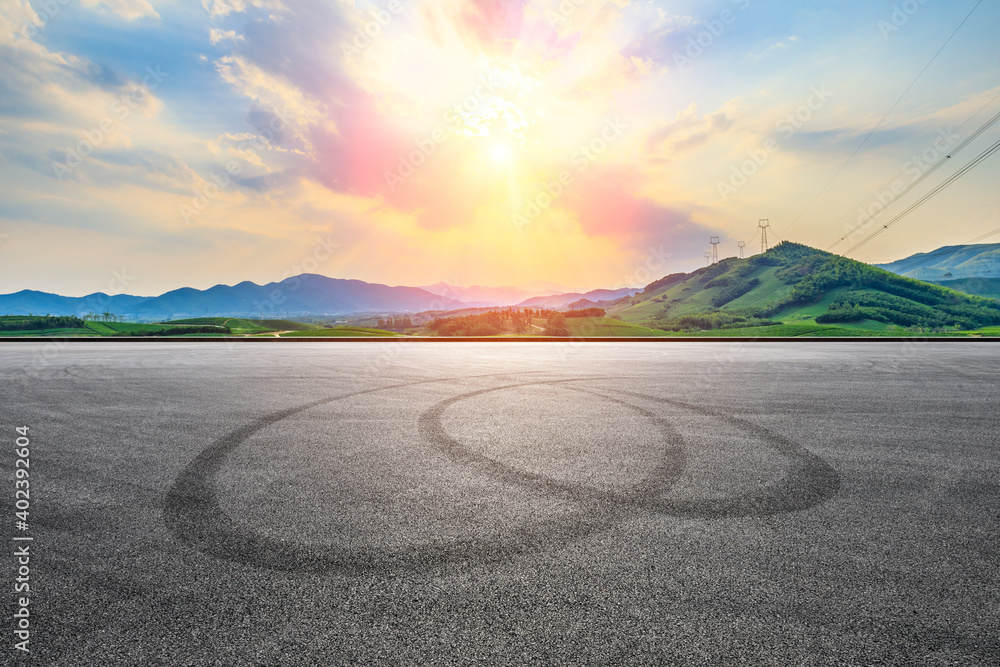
(179, 331)
(41, 322)
(91, 316)
(394, 323)
(510, 320)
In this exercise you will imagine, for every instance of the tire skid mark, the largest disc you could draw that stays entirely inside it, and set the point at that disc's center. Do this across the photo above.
(193, 514)
(666, 473)
(809, 481)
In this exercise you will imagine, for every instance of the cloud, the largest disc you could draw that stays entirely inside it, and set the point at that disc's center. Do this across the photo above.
(274, 92)
(215, 36)
(149, 168)
(604, 204)
(222, 8)
(130, 10)
(688, 130)
(491, 25)
(55, 90)
(776, 46)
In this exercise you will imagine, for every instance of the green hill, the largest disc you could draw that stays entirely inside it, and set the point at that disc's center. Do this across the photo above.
(796, 284)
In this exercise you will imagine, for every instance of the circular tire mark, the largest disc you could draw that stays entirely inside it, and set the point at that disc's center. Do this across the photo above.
(810, 480)
(192, 512)
(664, 475)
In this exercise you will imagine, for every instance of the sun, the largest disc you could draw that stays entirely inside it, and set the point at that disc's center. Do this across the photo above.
(500, 152)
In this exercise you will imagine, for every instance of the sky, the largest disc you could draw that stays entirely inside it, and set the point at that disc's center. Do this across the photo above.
(147, 145)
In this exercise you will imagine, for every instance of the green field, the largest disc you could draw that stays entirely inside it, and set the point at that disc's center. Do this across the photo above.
(130, 327)
(101, 329)
(340, 332)
(605, 326)
(780, 330)
(985, 332)
(240, 326)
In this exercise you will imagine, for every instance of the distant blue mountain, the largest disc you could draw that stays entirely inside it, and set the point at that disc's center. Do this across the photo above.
(42, 303)
(951, 263)
(304, 295)
(592, 298)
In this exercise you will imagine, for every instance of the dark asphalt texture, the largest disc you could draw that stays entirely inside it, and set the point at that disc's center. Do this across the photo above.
(507, 504)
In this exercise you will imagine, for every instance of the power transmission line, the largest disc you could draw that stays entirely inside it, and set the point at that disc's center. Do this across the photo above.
(982, 129)
(985, 236)
(879, 124)
(962, 217)
(919, 262)
(933, 168)
(944, 184)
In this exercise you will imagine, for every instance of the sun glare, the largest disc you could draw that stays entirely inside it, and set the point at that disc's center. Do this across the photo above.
(500, 152)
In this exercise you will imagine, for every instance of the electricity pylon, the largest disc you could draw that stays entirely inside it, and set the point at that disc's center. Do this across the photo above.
(715, 249)
(763, 223)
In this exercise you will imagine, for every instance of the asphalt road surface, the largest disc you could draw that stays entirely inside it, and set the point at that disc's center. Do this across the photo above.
(516, 503)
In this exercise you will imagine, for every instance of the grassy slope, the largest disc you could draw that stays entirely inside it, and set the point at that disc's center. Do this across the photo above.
(786, 273)
(100, 328)
(691, 296)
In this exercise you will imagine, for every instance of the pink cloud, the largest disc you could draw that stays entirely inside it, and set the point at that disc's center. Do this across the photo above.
(603, 203)
(495, 25)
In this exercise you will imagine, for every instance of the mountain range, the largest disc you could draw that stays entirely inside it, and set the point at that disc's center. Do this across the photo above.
(303, 295)
(973, 269)
(950, 263)
(306, 295)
